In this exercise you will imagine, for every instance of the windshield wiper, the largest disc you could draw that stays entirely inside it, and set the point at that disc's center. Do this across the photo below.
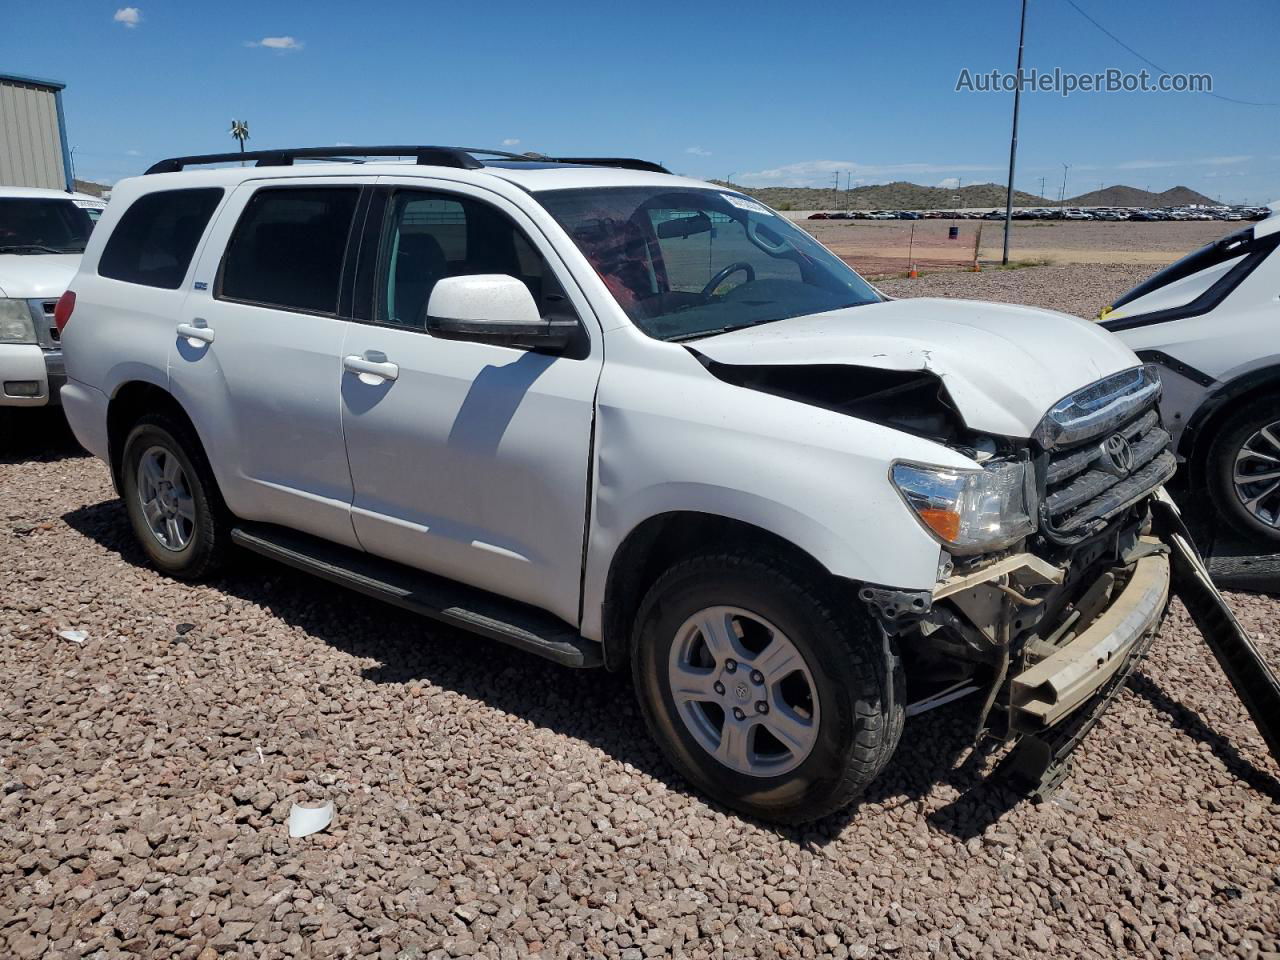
(716, 331)
(29, 248)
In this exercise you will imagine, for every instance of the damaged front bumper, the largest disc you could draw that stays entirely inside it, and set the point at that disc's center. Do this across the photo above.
(1047, 694)
(1051, 637)
(1049, 690)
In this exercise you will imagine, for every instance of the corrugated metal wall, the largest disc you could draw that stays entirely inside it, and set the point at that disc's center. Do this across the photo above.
(30, 144)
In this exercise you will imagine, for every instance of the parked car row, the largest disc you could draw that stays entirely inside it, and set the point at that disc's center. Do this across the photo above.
(1057, 213)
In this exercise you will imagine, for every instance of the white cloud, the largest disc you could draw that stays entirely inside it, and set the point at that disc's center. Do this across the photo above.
(134, 153)
(697, 151)
(949, 183)
(129, 16)
(821, 173)
(276, 43)
(511, 142)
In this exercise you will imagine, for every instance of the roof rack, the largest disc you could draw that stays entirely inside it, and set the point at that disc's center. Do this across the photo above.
(622, 163)
(458, 157)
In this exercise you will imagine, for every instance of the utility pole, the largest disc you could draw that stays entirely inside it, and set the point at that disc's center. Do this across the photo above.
(835, 194)
(1042, 188)
(1013, 139)
(1062, 194)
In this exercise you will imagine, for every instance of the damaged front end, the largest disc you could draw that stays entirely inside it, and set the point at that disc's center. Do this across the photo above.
(1048, 628)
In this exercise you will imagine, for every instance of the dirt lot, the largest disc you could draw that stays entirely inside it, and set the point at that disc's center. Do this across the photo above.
(491, 804)
(882, 247)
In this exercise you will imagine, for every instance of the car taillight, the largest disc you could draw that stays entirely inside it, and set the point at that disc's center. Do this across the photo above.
(62, 312)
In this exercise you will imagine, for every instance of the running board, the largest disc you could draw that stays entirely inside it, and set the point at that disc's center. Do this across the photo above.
(456, 604)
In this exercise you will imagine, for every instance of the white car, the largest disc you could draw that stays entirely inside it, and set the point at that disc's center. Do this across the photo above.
(1209, 323)
(617, 417)
(42, 233)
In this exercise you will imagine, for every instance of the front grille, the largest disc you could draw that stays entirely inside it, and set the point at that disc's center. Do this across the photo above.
(1108, 466)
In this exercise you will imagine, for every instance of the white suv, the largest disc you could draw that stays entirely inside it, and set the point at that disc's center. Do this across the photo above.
(614, 416)
(42, 233)
(1209, 323)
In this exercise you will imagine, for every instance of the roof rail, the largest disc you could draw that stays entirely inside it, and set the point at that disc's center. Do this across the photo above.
(433, 156)
(459, 157)
(622, 163)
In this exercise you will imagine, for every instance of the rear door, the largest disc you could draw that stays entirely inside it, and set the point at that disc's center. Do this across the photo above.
(469, 460)
(256, 358)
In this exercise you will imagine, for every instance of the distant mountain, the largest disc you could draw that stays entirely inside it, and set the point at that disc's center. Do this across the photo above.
(887, 196)
(91, 188)
(1121, 196)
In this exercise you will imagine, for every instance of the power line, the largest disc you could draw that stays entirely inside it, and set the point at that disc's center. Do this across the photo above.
(1152, 63)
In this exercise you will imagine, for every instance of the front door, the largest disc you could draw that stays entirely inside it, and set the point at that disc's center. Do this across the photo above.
(469, 460)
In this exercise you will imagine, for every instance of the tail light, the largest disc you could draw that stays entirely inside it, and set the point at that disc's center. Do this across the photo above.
(62, 312)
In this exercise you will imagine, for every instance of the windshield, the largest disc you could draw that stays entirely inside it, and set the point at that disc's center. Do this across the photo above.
(42, 225)
(690, 263)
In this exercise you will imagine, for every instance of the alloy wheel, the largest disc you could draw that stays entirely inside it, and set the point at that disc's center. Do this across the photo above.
(165, 497)
(744, 691)
(1256, 475)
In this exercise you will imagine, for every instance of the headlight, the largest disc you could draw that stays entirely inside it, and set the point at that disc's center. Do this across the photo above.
(971, 511)
(15, 322)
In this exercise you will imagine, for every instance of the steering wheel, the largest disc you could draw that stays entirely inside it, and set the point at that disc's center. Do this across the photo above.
(727, 272)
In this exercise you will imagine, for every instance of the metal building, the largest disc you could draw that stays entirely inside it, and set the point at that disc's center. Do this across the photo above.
(33, 134)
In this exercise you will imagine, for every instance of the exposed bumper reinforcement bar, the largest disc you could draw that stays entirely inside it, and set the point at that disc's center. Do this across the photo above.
(1045, 693)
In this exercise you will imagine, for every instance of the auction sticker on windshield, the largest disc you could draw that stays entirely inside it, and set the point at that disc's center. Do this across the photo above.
(742, 203)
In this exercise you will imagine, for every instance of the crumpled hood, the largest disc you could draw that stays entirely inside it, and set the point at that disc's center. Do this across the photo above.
(1003, 366)
(26, 276)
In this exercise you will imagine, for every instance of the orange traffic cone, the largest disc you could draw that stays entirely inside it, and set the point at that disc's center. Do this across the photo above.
(913, 272)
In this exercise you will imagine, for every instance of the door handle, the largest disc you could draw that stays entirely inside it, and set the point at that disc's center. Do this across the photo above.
(197, 329)
(381, 369)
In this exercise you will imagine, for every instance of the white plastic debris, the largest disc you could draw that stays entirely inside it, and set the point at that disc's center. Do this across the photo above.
(304, 821)
(78, 637)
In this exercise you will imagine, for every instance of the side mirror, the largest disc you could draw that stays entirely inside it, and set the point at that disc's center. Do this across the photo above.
(493, 308)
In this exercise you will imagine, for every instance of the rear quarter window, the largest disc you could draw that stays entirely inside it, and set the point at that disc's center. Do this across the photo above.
(154, 241)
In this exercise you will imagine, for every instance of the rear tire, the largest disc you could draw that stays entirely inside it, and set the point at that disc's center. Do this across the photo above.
(172, 498)
(1247, 444)
(838, 714)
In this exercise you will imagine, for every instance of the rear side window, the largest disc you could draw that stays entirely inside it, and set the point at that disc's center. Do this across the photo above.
(155, 239)
(287, 250)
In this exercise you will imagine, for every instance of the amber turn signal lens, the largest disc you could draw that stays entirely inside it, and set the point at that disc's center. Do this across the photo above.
(944, 523)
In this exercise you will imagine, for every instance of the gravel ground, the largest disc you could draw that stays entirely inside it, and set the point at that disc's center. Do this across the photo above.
(491, 804)
(1079, 290)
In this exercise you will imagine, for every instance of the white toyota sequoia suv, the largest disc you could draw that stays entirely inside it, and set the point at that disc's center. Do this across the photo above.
(618, 417)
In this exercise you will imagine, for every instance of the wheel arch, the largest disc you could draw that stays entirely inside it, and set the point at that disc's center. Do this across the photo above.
(132, 400)
(1197, 436)
(661, 540)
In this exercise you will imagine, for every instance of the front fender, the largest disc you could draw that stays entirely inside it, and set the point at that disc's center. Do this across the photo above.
(677, 441)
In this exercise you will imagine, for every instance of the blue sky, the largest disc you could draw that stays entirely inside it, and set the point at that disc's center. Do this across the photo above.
(769, 92)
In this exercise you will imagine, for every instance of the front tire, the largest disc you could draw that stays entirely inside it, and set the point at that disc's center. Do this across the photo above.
(766, 692)
(1242, 469)
(172, 499)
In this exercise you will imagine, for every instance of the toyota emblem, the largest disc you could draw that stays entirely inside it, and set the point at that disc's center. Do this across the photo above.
(1117, 455)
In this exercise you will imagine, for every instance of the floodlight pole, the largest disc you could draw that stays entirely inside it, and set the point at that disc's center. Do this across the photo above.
(1013, 139)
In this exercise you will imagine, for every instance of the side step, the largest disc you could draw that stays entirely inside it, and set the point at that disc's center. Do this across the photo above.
(458, 605)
